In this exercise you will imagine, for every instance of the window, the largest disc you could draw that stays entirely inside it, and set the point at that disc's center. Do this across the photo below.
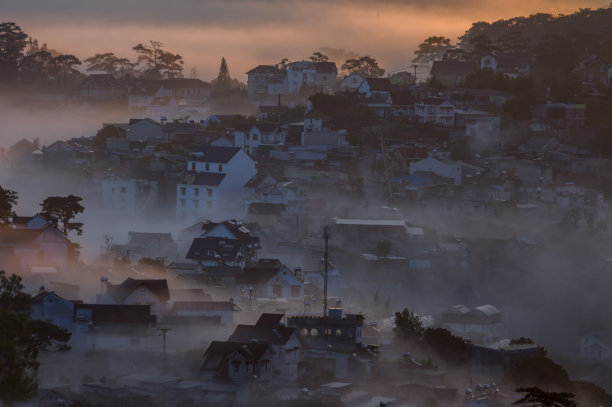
(182, 203)
(123, 190)
(196, 191)
(220, 168)
(255, 137)
(304, 332)
(143, 292)
(207, 167)
(295, 290)
(209, 192)
(183, 190)
(338, 332)
(314, 332)
(193, 166)
(328, 331)
(277, 290)
(236, 367)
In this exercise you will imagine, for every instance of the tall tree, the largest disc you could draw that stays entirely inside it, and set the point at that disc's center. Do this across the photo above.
(105, 133)
(21, 340)
(8, 199)
(108, 62)
(536, 397)
(157, 62)
(364, 65)
(318, 56)
(63, 67)
(60, 210)
(408, 325)
(223, 81)
(12, 44)
(432, 49)
(513, 41)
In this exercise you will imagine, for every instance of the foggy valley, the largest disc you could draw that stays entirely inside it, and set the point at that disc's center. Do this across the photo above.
(317, 230)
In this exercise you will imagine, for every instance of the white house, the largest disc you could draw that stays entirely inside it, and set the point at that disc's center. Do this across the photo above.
(306, 73)
(126, 197)
(439, 111)
(217, 184)
(375, 88)
(444, 169)
(597, 346)
(317, 131)
(250, 136)
(270, 279)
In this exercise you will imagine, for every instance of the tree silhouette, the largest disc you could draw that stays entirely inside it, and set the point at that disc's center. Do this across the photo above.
(408, 325)
(12, 44)
(318, 56)
(8, 199)
(536, 397)
(432, 49)
(157, 62)
(367, 66)
(60, 210)
(21, 339)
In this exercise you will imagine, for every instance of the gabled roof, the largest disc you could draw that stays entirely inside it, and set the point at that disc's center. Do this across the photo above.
(204, 306)
(269, 264)
(13, 237)
(256, 276)
(214, 248)
(275, 335)
(122, 291)
(22, 220)
(213, 154)
(266, 127)
(266, 69)
(257, 180)
(326, 67)
(218, 352)
(379, 84)
(209, 179)
(134, 121)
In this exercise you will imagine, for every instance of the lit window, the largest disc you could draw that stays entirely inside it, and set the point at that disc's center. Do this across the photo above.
(314, 332)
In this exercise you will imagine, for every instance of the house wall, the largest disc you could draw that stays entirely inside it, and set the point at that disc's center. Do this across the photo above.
(129, 196)
(143, 296)
(48, 249)
(54, 309)
(144, 130)
(593, 349)
(484, 333)
(195, 201)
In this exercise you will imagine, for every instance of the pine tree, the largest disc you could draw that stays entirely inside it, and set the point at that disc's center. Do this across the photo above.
(223, 79)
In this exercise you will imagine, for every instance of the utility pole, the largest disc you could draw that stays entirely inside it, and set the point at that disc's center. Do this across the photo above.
(164, 331)
(326, 233)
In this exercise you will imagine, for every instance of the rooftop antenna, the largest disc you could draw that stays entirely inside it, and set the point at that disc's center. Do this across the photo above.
(326, 234)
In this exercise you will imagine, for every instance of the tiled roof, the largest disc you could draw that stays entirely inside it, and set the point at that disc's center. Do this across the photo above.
(214, 248)
(213, 154)
(203, 306)
(266, 69)
(122, 291)
(209, 179)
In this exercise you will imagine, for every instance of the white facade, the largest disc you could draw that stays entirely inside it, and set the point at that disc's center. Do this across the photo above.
(129, 196)
(435, 112)
(597, 346)
(221, 194)
(258, 135)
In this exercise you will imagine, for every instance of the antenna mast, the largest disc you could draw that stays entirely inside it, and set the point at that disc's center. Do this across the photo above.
(326, 233)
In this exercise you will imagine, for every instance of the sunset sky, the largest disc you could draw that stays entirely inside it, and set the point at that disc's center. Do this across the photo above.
(252, 32)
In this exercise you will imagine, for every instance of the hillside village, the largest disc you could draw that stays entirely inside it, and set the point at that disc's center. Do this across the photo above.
(276, 248)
